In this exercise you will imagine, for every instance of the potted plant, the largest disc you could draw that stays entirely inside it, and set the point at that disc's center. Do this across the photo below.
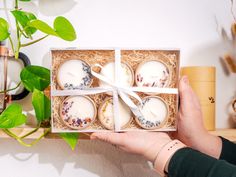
(34, 78)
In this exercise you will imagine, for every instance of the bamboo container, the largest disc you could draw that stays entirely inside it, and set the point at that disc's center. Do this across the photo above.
(202, 80)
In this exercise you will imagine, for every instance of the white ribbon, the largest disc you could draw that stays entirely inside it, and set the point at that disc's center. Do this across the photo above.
(117, 89)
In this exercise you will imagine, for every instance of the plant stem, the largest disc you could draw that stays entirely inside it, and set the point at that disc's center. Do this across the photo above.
(22, 32)
(16, 4)
(11, 134)
(18, 33)
(18, 40)
(31, 132)
(35, 41)
(12, 45)
(11, 88)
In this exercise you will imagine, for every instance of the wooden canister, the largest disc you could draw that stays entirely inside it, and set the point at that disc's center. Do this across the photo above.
(202, 80)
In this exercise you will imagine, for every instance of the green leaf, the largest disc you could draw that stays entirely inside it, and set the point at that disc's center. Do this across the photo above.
(41, 104)
(25, 0)
(4, 29)
(12, 116)
(24, 18)
(71, 139)
(35, 77)
(42, 26)
(64, 29)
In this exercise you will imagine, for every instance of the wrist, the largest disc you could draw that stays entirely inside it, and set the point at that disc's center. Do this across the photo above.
(150, 152)
(164, 155)
(208, 144)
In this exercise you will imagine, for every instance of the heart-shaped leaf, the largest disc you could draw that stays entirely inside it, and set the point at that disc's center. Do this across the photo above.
(41, 104)
(42, 26)
(70, 138)
(64, 29)
(4, 29)
(24, 18)
(12, 116)
(35, 77)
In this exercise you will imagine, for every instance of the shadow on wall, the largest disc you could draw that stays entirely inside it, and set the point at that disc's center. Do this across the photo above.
(60, 7)
(95, 157)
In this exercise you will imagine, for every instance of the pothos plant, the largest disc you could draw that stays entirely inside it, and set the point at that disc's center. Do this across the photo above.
(34, 78)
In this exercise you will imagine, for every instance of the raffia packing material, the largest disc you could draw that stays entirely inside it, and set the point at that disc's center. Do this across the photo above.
(103, 56)
(202, 80)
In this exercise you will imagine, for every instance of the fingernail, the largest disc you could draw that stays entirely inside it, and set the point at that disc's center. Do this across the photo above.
(185, 79)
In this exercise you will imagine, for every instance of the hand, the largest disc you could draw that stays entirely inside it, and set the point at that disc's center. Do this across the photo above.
(191, 130)
(145, 143)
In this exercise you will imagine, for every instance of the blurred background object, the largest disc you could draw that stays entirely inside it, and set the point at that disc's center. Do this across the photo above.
(202, 80)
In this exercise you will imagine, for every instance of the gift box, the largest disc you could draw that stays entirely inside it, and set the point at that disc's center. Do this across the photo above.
(114, 90)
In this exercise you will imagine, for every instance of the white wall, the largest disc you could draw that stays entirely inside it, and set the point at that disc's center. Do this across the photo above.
(194, 26)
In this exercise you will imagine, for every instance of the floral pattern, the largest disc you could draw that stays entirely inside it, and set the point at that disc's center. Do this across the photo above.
(143, 121)
(148, 124)
(86, 81)
(72, 121)
(160, 83)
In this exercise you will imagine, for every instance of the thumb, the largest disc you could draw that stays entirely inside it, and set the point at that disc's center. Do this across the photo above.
(185, 93)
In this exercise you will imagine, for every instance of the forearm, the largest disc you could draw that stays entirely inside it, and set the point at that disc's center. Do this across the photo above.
(208, 144)
(190, 163)
(217, 147)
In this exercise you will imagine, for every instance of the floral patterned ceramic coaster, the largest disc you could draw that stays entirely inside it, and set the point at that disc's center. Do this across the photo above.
(106, 117)
(155, 112)
(152, 73)
(78, 112)
(74, 74)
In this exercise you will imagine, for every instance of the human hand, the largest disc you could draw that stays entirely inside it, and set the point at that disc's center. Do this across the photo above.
(145, 143)
(191, 130)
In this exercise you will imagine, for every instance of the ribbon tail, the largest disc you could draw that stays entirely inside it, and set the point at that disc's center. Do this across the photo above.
(126, 99)
(132, 94)
(135, 110)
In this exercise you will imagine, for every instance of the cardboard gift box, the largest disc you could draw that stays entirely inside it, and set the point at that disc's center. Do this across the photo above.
(114, 90)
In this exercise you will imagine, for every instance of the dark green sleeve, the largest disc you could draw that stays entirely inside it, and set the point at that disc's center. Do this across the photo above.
(228, 152)
(187, 162)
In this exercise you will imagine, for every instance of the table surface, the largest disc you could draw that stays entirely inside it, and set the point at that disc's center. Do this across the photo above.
(193, 26)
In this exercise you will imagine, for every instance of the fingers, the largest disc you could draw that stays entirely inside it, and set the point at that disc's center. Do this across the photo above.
(185, 92)
(113, 138)
(188, 98)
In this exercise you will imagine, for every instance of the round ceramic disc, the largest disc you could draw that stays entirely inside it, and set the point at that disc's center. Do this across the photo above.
(78, 112)
(74, 74)
(152, 74)
(126, 77)
(106, 115)
(154, 111)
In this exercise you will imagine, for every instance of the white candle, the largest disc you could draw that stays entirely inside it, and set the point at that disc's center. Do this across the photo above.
(126, 76)
(78, 112)
(154, 111)
(106, 114)
(74, 74)
(152, 74)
